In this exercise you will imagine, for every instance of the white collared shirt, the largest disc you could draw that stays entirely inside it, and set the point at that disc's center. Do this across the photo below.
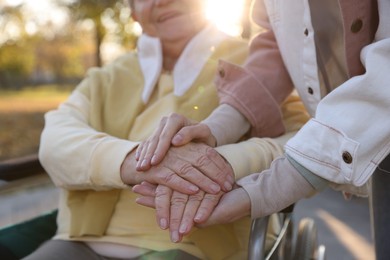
(187, 67)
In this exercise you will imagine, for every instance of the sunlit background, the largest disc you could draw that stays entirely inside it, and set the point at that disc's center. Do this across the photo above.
(226, 14)
(48, 45)
(45, 50)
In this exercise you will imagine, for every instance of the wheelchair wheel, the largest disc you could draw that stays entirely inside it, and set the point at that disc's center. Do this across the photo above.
(307, 241)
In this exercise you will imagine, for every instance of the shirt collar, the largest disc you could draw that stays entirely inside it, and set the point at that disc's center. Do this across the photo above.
(187, 67)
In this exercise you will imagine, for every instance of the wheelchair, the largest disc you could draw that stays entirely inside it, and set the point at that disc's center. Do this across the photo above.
(275, 237)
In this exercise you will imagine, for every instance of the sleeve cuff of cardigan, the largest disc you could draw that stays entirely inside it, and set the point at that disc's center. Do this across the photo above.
(253, 155)
(107, 160)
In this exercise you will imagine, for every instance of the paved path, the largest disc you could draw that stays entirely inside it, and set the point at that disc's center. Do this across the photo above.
(343, 226)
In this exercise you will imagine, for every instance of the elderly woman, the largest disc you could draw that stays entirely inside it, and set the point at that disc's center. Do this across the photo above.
(88, 144)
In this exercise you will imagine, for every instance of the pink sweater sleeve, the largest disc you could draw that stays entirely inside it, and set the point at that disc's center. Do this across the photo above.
(258, 87)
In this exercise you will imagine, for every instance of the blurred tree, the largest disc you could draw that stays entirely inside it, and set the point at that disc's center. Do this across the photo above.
(97, 11)
(11, 22)
(14, 67)
(61, 57)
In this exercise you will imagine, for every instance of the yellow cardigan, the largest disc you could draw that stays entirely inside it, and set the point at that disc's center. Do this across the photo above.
(116, 109)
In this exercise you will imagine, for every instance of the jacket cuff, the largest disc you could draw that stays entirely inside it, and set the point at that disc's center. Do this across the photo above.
(276, 188)
(250, 98)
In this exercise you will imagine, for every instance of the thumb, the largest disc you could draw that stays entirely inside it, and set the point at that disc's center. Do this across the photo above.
(198, 132)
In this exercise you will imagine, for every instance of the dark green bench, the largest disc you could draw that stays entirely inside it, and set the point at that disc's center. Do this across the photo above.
(19, 240)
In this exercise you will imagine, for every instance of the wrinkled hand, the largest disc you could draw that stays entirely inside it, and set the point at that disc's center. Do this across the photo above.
(177, 211)
(185, 169)
(176, 130)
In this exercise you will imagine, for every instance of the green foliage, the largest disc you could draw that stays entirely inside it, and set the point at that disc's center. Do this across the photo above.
(14, 63)
(60, 54)
(99, 11)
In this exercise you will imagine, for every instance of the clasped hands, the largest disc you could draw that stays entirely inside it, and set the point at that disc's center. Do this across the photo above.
(184, 181)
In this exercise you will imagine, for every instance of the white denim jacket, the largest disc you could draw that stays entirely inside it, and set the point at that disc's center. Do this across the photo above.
(349, 134)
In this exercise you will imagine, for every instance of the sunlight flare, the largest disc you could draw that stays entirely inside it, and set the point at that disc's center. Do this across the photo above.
(226, 14)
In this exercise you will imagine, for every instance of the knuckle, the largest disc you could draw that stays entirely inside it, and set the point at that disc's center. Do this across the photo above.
(162, 192)
(168, 178)
(185, 169)
(196, 197)
(179, 200)
(213, 199)
(202, 161)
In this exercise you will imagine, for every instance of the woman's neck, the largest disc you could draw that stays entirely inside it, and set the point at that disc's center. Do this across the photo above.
(171, 52)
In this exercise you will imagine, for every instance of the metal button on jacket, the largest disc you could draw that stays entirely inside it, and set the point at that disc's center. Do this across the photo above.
(356, 25)
(221, 72)
(347, 157)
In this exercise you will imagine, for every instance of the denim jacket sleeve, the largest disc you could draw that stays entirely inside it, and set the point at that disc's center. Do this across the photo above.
(350, 134)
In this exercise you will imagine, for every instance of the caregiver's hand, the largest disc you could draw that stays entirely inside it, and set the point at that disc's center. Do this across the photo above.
(174, 130)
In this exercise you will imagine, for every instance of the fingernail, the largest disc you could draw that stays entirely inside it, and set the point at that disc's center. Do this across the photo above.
(144, 163)
(137, 155)
(198, 217)
(175, 236)
(163, 223)
(138, 166)
(193, 188)
(215, 188)
(183, 228)
(177, 139)
(227, 185)
(154, 159)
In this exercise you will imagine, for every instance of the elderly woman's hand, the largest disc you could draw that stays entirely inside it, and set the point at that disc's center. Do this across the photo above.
(180, 212)
(175, 210)
(186, 169)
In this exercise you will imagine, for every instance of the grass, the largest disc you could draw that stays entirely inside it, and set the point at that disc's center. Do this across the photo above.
(22, 118)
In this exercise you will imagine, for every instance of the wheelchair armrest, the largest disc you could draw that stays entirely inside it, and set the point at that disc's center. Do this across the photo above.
(257, 239)
(260, 227)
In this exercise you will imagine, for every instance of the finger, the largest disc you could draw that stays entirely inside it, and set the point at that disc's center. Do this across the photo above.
(142, 156)
(190, 210)
(163, 202)
(138, 152)
(198, 132)
(218, 169)
(231, 207)
(145, 189)
(178, 203)
(169, 178)
(202, 166)
(172, 125)
(146, 201)
(206, 207)
(190, 173)
(147, 148)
